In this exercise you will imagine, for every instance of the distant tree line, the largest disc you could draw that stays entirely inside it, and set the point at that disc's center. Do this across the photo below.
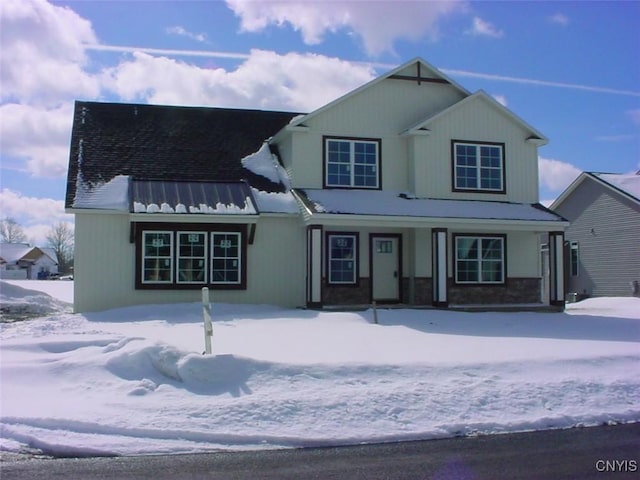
(60, 238)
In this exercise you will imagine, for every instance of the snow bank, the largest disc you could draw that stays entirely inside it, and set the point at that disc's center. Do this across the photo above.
(18, 302)
(133, 380)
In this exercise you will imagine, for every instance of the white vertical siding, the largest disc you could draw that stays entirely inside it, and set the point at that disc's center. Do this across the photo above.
(275, 266)
(475, 121)
(382, 111)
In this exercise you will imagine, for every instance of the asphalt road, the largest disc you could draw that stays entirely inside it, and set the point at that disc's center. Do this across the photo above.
(579, 453)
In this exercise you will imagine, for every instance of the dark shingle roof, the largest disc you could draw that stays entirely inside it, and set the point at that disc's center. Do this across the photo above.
(154, 142)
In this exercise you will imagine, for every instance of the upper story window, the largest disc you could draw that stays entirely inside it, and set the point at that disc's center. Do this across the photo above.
(352, 163)
(478, 167)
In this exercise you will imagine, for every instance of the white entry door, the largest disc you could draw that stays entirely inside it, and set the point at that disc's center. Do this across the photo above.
(385, 268)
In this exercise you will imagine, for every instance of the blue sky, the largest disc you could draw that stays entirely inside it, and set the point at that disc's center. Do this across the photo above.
(570, 69)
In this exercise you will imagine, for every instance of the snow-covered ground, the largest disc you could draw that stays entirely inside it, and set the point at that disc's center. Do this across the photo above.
(133, 380)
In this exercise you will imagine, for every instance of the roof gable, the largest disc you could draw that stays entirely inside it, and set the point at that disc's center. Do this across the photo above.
(480, 96)
(13, 252)
(416, 70)
(627, 186)
(155, 142)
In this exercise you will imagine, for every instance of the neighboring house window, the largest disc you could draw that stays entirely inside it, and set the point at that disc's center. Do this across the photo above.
(478, 167)
(192, 260)
(191, 256)
(342, 258)
(479, 259)
(352, 163)
(225, 259)
(574, 258)
(157, 257)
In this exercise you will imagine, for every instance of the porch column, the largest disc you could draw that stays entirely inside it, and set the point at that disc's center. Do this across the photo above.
(439, 267)
(314, 266)
(556, 268)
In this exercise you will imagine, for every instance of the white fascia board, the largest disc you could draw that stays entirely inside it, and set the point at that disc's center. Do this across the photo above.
(429, 222)
(192, 218)
(95, 211)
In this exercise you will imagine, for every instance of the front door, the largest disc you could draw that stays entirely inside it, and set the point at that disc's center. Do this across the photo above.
(385, 268)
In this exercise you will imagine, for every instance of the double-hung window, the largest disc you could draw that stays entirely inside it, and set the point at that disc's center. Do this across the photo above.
(225, 258)
(352, 163)
(478, 167)
(342, 258)
(191, 257)
(479, 259)
(157, 257)
(192, 260)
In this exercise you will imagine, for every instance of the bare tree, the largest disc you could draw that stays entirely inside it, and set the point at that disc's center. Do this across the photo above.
(60, 239)
(11, 231)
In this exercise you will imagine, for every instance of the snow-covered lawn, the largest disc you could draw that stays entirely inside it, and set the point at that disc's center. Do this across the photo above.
(134, 381)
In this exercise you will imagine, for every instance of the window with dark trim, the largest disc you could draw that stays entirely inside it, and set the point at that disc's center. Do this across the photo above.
(574, 258)
(191, 257)
(183, 256)
(342, 258)
(225, 258)
(352, 163)
(478, 167)
(157, 257)
(479, 259)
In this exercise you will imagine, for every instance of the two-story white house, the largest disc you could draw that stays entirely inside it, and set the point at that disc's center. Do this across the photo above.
(409, 189)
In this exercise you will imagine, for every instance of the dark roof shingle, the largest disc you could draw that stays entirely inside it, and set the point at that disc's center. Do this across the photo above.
(154, 142)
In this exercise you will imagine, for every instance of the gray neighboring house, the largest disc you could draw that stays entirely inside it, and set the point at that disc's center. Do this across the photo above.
(603, 239)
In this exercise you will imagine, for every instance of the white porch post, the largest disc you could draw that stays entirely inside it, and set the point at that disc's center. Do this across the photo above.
(556, 268)
(439, 267)
(314, 266)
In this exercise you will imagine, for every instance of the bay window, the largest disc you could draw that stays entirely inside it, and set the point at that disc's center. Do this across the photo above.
(187, 256)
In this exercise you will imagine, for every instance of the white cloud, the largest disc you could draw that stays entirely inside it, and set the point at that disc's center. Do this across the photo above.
(298, 82)
(42, 53)
(483, 28)
(37, 134)
(501, 99)
(181, 31)
(559, 19)
(556, 175)
(377, 24)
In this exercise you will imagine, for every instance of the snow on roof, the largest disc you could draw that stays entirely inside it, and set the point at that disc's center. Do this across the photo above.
(12, 252)
(628, 183)
(274, 202)
(212, 198)
(112, 195)
(385, 203)
(265, 164)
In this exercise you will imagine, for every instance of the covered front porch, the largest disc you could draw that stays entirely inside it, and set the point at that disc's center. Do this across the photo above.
(490, 256)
